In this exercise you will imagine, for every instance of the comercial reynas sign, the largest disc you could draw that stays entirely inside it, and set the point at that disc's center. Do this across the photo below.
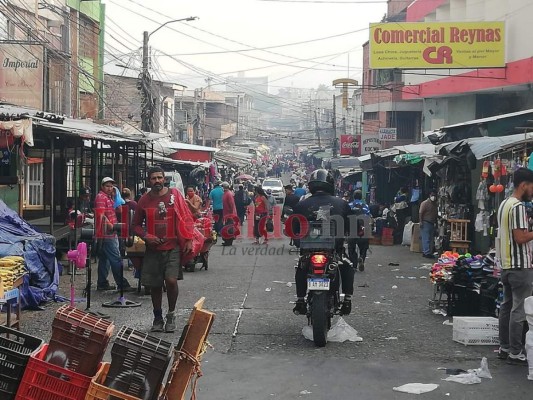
(21, 74)
(412, 45)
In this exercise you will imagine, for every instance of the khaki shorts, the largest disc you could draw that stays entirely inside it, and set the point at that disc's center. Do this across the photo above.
(159, 265)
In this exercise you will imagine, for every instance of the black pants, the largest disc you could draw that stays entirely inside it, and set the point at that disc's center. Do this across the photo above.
(347, 277)
(362, 244)
(219, 216)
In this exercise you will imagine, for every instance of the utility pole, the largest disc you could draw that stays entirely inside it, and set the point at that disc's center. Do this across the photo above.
(145, 80)
(195, 133)
(238, 116)
(147, 110)
(334, 128)
(317, 130)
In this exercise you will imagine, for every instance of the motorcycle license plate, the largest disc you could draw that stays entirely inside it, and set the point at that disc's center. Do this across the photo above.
(318, 284)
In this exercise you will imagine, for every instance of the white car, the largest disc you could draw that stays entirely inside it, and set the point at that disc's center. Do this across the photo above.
(277, 188)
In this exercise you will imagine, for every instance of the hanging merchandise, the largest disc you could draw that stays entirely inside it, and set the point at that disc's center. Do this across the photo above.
(530, 162)
(485, 170)
(496, 169)
(481, 195)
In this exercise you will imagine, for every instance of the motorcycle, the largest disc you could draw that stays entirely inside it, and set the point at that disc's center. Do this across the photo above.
(321, 263)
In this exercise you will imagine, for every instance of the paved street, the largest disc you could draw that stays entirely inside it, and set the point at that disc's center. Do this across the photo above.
(260, 353)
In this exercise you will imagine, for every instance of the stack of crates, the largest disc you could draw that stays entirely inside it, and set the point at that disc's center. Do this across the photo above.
(15, 351)
(63, 370)
(138, 366)
(79, 340)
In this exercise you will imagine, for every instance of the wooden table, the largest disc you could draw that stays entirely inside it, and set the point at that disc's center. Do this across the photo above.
(11, 322)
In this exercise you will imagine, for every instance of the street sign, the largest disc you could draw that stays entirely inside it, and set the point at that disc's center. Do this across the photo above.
(370, 143)
(387, 134)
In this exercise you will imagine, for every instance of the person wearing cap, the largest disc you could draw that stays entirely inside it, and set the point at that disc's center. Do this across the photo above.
(428, 214)
(106, 218)
(215, 199)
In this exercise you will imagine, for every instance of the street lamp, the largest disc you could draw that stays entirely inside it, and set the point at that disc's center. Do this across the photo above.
(148, 102)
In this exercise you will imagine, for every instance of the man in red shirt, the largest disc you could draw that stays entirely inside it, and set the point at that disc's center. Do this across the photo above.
(106, 219)
(163, 219)
(229, 213)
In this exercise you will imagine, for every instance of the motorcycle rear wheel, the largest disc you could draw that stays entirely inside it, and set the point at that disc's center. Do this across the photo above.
(319, 319)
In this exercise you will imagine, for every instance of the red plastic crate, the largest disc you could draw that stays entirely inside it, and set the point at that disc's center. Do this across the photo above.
(44, 381)
(79, 340)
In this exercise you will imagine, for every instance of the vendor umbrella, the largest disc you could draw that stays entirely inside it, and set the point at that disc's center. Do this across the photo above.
(245, 177)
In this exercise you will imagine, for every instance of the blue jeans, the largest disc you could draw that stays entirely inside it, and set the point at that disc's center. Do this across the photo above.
(427, 231)
(110, 255)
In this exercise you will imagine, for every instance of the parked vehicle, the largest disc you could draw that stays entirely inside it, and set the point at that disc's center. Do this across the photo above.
(277, 188)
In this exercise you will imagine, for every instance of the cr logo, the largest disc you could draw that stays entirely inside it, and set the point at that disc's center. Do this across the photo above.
(441, 55)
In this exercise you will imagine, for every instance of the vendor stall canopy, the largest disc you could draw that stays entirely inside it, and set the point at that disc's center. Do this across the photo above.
(483, 147)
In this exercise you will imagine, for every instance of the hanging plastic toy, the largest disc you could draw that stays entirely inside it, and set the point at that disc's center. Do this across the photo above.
(485, 170)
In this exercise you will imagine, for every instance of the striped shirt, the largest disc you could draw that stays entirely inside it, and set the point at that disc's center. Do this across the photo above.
(512, 215)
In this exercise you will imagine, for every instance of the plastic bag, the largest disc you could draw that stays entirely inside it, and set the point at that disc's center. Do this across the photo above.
(416, 388)
(407, 234)
(269, 225)
(340, 332)
(472, 376)
(119, 201)
(197, 245)
(465, 379)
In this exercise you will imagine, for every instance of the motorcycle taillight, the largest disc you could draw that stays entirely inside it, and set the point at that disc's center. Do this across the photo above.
(318, 263)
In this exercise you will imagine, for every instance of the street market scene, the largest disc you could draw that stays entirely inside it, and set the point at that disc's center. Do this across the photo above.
(251, 200)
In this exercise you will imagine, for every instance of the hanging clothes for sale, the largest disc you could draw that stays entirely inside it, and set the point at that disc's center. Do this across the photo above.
(482, 195)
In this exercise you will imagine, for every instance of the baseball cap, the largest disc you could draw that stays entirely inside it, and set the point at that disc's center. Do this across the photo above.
(107, 179)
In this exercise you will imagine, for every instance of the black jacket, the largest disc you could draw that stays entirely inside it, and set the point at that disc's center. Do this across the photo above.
(322, 202)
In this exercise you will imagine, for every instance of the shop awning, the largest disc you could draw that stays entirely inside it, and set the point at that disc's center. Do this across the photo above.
(483, 147)
(347, 172)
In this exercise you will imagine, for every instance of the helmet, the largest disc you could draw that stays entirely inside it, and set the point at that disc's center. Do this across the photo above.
(321, 180)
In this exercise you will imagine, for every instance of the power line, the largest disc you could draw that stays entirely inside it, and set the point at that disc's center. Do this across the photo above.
(212, 44)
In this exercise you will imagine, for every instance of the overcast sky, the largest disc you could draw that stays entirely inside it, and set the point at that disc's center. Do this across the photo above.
(253, 23)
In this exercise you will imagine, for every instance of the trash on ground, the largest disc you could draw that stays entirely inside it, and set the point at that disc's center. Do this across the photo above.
(379, 265)
(426, 266)
(283, 282)
(447, 322)
(411, 277)
(365, 285)
(394, 264)
(472, 376)
(305, 392)
(289, 284)
(364, 297)
(391, 338)
(395, 287)
(268, 289)
(452, 371)
(395, 270)
(377, 302)
(416, 388)
(423, 277)
(340, 332)
(439, 312)
(400, 277)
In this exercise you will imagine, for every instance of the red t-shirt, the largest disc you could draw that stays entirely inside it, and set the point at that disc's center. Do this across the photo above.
(261, 205)
(150, 220)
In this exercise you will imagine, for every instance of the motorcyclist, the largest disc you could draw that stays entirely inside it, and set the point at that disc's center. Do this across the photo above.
(359, 207)
(321, 186)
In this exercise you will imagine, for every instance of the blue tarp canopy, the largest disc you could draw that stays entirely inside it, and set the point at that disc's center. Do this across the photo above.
(18, 238)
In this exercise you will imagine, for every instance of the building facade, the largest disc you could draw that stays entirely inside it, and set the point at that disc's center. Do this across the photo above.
(417, 100)
(59, 45)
